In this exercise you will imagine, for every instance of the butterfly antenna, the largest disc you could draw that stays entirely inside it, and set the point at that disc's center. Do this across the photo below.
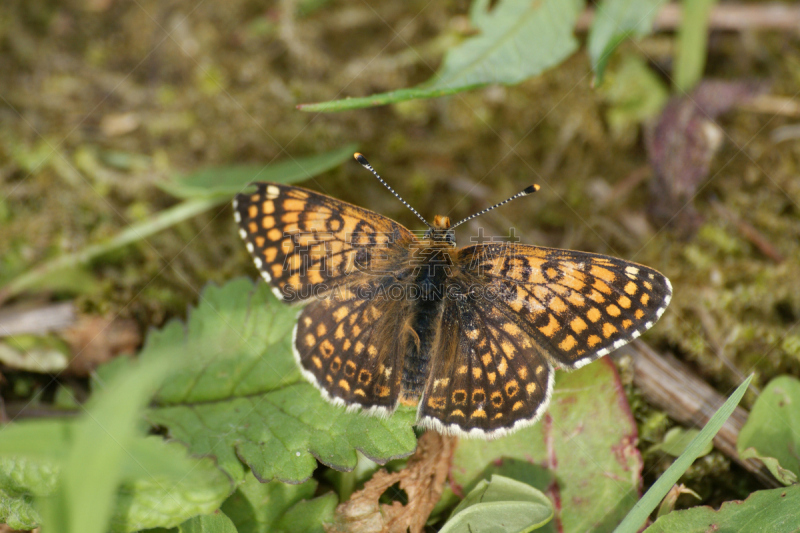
(529, 190)
(364, 163)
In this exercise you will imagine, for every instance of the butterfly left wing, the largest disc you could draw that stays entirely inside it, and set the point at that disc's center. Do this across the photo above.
(487, 376)
(354, 350)
(307, 244)
(578, 305)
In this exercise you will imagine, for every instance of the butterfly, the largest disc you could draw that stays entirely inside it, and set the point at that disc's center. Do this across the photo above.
(471, 336)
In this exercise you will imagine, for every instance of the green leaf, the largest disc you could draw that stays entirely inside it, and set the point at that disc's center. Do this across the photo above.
(22, 479)
(785, 476)
(151, 482)
(16, 510)
(661, 487)
(211, 523)
(238, 394)
(776, 511)
(771, 428)
(678, 439)
(160, 484)
(100, 440)
(635, 94)
(692, 44)
(518, 39)
(500, 505)
(615, 21)
(229, 180)
(163, 486)
(267, 507)
(308, 516)
(590, 453)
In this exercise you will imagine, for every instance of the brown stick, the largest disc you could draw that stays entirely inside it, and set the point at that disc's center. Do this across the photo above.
(671, 386)
(734, 17)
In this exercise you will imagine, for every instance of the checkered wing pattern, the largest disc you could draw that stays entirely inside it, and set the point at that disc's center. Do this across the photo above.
(577, 306)
(488, 375)
(305, 243)
(353, 350)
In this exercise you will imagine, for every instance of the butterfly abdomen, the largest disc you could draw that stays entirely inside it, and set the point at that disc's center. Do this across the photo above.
(430, 277)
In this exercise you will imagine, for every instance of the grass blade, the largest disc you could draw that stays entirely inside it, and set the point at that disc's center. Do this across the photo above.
(650, 501)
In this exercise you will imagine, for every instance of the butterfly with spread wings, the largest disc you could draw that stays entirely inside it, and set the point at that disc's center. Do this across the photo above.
(470, 335)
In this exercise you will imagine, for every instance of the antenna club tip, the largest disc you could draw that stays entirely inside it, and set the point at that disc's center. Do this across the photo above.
(360, 158)
(532, 189)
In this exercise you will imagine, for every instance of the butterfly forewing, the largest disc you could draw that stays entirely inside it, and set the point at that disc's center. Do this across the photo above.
(578, 305)
(306, 244)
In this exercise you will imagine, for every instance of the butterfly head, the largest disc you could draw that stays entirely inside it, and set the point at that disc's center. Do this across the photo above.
(440, 231)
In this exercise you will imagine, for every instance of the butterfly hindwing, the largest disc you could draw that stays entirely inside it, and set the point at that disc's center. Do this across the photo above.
(487, 376)
(306, 243)
(577, 305)
(353, 350)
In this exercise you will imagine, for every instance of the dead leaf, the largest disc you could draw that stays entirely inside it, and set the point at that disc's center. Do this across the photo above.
(422, 480)
(95, 340)
(682, 145)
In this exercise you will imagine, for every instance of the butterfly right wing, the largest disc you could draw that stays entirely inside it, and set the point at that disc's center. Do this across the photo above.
(306, 244)
(578, 305)
(487, 376)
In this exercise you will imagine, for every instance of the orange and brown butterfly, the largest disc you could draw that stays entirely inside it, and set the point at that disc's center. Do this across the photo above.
(471, 335)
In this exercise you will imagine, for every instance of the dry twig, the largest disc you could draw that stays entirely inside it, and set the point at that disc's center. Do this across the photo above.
(671, 386)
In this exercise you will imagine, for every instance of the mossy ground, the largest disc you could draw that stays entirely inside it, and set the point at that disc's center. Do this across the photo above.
(102, 100)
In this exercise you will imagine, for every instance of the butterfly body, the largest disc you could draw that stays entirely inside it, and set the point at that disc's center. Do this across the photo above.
(470, 335)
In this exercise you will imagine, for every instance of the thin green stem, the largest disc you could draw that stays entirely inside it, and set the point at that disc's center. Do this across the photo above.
(136, 232)
(692, 43)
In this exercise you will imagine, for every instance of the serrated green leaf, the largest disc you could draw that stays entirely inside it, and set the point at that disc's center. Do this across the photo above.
(615, 21)
(229, 180)
(501, 505)
(518, 39)
(239, 395)
(641, 511)
(590, 452)
(776, 511)
(772, 427)
(210, 523)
